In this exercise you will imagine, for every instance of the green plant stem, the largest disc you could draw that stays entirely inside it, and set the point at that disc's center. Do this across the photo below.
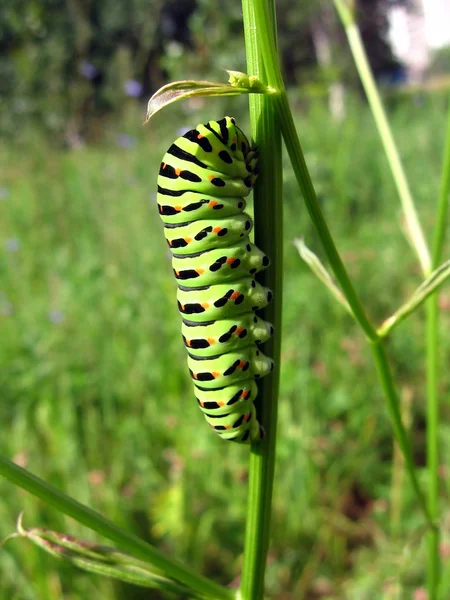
(414, 231)
(433, 376)
(269, 237)
(432, 441)
(398, 467)
(443, 201)
(125, 540)
(286, 122)
(309, 195)
(274, 78)
(417, 240)
(393, 406)
(304, 180)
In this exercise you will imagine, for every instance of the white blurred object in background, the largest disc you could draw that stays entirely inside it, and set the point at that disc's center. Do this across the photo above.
(418, 29)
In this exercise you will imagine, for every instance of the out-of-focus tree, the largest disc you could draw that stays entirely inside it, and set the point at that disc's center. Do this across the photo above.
(374, 26)
(66, 64)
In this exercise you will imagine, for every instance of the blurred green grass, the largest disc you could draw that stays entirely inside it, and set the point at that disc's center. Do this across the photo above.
(96, 397)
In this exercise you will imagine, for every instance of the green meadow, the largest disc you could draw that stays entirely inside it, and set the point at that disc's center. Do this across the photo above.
(95, 392)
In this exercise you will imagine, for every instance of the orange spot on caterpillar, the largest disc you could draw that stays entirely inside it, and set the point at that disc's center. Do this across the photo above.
(202, 404)
(242, 364)
(234, 139)
(245, 394)
(200, 271)
(211, 177)
(217, 229)
(188, 240)
(178, 172)
(239, 330)
(188, 342)
(205, 304)
(212, 203)
(211, 341)
(164, 165)
(200, 136)
(178, 208)
(247, 417)
(215, 374)
(182, 307)
(177, 273)
(194, 375)
(227, 426)
(221, 403)
(230, 260)
(234, 295)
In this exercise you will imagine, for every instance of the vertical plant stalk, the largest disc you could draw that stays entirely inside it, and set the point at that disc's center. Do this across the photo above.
(286, 122)
(428, 264)
(433, 375)
(269, 237)
(376, 343)
(414, 231)
(398, 467)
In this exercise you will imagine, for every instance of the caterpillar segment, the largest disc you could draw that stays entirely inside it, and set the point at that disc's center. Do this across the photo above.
(224, 335)
(184, 207)
(198, 236)
(186, 175)
(202, 184)
(222, 401)
(237, 426)
(230, 411)
(232, 367)
(220, 265)
(199, 147)
(223, 300)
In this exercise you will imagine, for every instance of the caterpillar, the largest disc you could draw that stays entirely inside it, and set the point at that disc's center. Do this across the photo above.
(203, 180)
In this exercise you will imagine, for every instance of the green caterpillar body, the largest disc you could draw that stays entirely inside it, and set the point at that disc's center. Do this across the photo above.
(202, 182)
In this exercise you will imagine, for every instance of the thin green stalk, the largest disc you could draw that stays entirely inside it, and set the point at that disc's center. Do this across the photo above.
(432, 434)
(274, 78)
(270, 60)
(398, 467)
(433, 376)
(443, 202)
(414, 231)
(393, 406)
(125, 540)
(269, 237)
(309, 195)
(417, 240)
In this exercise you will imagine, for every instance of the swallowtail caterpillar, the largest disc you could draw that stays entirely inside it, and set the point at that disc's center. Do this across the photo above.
(203, 180)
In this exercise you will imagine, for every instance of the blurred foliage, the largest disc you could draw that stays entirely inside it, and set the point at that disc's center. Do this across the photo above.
(65, 64)
(441, 61)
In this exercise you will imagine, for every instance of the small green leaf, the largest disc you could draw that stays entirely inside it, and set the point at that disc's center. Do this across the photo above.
(240, 83)
(100, 559)
(428, 287)
(251, 82)
(317, 267)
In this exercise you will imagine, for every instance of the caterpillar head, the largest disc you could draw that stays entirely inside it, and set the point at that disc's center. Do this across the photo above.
(236, 141)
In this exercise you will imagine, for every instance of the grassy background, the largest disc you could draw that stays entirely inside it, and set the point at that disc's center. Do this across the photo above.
(96, 396)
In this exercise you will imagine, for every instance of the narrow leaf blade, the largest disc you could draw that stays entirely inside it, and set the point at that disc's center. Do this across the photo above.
(239, 83)
(100, 559)
(425, 289)
(313, 262)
